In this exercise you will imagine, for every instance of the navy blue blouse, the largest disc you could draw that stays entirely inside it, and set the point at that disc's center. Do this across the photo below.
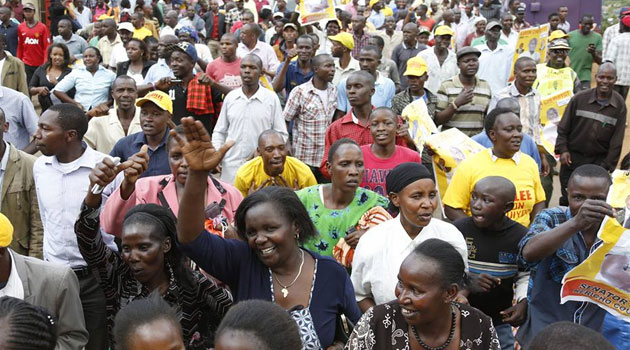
(234, 263)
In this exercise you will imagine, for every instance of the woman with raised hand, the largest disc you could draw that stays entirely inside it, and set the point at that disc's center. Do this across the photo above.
(424, 314)
(149, 260)
(268, 262)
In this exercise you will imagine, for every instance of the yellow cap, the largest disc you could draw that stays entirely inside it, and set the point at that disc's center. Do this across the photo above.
(6, 231)
(557, 34)
(372, 2)
(160, 99)
(416, 66)
(345, 39)
(104, 17)
(444, 30)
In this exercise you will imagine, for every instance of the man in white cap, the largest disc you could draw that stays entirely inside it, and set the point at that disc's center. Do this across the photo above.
(495, 62)
(53, 287)
(119, 52)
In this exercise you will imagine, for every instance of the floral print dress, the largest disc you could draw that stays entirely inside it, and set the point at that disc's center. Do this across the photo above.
(384, 328)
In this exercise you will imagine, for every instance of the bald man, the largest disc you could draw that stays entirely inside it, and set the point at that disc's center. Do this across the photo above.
(410, 47)
(251, 45)
(592, 128)
(273, 167)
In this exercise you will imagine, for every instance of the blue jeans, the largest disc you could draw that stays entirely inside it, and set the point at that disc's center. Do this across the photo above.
(506, 337)
(617, 331)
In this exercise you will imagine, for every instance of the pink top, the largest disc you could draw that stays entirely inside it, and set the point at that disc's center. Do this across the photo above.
(146, 192)
(376, 169)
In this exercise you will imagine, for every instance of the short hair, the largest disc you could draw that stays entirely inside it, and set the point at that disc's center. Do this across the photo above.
(318, 60)
(139, 313)
(259, 62)
(123, 78)
(450, 263)
(65, 20)
(377, 50)
(286, 202)
(586, 16)
(251, 26)
(522, 60)
(306, 37)
(26, 327)
(267, 133)
(71, 117)
(179, 130)
(379, 41)
(150, 40)
(592, 171)
(363, 74)
(337, 144)
(97, 51)
(125, 3)
(569, 336)
(230, 36)
(625, 162)
(384, 109)
(262, 321)
(491, 118)
(553, 14)
(510, 103)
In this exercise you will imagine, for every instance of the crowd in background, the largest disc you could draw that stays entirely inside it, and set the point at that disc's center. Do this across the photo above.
(213, 174)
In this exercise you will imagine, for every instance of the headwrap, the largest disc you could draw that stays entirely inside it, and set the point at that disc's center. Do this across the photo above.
(404, 174)
(6, 231)
(189, 30)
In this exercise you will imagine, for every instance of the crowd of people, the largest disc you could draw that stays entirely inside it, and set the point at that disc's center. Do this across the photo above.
(211, 174)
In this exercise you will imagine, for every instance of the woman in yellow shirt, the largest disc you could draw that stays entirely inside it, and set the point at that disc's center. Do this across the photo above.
(504, 159)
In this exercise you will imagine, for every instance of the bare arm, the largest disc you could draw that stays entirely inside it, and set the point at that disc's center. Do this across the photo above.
(366, 304)
(453, 213)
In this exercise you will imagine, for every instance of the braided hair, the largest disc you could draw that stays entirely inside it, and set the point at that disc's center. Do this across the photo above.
(164, 225)
(25, 327)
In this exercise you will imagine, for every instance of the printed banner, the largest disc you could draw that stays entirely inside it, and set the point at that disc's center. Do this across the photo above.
(532, 42)
(449, 149)
(551, 111)
(312, 11)
(421, 126)
(604, 277)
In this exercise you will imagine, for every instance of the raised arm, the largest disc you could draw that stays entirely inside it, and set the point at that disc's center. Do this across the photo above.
(201, 157)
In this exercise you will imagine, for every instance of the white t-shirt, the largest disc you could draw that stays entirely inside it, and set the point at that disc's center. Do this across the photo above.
(383, 248)
(118, 55)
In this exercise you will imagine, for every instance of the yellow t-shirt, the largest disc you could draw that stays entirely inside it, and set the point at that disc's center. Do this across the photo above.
(254, 170)
(522, 170)
(141, 33)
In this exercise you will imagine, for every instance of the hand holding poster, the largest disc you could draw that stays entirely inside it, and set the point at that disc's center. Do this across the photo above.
(532, 42)
(551, 111)
(312, 11)
(604, 277)
(449, 149)
(421, 126)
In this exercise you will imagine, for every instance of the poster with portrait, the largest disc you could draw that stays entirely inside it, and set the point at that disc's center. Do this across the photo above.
(532, 42)
(421, 126)
(551, 110)
(604, 277)
(312, 11)
(449, 148)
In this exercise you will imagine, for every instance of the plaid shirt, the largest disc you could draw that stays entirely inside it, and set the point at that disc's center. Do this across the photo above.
(530, 108)
(618, 51)
(233, 16)
(312, 117)
(359, 43)
(570, 255)
(404, 98)
(199, 100)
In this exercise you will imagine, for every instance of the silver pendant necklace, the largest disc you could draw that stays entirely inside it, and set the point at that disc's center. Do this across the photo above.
(285, 289)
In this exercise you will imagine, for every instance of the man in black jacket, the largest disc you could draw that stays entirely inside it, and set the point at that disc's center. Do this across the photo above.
(215, 27)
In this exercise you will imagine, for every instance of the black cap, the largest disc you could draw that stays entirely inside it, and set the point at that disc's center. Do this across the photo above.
(468, 50)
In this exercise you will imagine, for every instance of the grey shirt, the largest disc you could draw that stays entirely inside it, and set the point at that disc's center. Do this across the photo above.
(76, 44)
(20, 114)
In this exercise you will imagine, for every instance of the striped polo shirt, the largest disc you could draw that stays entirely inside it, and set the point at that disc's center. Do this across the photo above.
(469, 117)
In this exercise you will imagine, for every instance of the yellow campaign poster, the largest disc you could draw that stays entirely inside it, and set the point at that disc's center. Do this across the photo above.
(604, 277)
(532, 42)
(619, 194)
(551, 110)
(421, 126)
(312, 11)
(449, 148)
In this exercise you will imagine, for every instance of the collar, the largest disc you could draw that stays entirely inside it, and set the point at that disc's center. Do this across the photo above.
(100, 68)
(113, 117)
(458, 83)
(361, 36)
(407, 48)
(592, 98)
(257, 47)
(257, 95)
(351, 118)
(513, 91)
(380, 79)
(309, 87)
(140, 139)
(352, 64)
(5, 157)
(516, 157)
(484, 47)
(14, 287)
(88, 159)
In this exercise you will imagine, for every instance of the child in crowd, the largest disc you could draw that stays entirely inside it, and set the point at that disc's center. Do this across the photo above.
(492, 239)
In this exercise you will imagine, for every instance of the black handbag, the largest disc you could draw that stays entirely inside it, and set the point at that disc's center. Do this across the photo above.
(343, 328)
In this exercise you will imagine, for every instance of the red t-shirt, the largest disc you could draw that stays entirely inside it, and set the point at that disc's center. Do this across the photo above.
(376, 169)
(33, 43)
(228, 74)
(429, 23)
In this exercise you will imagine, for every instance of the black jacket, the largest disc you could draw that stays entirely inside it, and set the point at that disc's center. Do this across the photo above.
(208, 17)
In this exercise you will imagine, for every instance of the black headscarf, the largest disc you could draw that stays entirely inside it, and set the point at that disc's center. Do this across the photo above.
(404, 174)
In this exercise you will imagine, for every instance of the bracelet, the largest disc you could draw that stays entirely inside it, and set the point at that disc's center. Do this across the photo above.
(454, 105)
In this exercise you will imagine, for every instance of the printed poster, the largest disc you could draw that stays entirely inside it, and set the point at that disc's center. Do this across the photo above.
(421, 126)
(449, 148)
(604, 277)
(312, 11)
(551, 111)
(532, 42)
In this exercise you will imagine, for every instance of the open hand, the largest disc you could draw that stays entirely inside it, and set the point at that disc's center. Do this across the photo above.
(253, 188)
(281, 181)
(516, 314)
(197, 146)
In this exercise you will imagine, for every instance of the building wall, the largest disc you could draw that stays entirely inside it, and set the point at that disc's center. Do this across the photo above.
(576, 9)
